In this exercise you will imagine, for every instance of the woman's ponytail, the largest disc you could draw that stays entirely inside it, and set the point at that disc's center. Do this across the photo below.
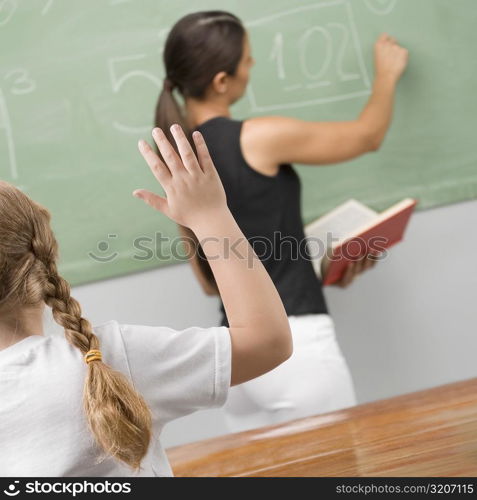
(168, 112)
(199, 46)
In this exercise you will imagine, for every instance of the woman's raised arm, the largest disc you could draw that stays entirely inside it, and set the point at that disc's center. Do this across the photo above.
(274, 140)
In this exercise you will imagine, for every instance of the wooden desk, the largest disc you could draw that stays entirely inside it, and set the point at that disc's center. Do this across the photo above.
(427, 433)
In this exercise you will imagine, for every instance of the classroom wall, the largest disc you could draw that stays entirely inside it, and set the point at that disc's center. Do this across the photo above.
(407, 325)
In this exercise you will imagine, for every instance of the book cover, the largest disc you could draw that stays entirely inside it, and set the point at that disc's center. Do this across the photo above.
(353, 230)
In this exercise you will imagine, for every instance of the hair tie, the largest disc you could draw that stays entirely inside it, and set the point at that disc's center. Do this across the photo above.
(93, 355)
(168, 85)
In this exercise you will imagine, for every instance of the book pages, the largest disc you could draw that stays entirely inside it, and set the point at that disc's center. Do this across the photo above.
(341, 222)
(335, 226)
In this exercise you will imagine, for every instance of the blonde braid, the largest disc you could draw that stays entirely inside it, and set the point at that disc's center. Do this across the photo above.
(118, 416)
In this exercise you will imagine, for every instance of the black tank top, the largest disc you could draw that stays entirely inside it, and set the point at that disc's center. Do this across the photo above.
(268, 211)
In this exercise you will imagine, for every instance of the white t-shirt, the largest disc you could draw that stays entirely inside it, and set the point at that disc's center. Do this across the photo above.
(43, 428)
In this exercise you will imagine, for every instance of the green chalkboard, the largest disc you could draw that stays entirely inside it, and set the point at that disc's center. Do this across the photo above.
(79, 81)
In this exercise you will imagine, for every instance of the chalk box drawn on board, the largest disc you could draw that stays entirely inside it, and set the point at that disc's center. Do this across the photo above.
(117, 81)
(320, 61)
(7, 8)
(381, 7)
(6, 125)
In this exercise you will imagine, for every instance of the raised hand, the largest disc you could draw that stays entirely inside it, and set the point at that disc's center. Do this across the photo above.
(194, 191)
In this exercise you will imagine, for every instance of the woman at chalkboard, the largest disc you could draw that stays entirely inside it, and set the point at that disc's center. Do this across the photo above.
(207, 58)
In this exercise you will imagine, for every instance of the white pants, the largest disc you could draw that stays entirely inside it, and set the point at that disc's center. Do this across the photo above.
(314, 380)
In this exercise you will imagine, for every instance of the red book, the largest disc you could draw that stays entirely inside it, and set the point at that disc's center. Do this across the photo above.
(353, 230)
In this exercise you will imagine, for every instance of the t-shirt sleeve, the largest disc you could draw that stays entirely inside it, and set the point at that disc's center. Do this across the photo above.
(179, 371)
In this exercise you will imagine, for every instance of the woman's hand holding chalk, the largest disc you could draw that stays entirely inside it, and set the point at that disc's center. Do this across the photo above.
(389, 58)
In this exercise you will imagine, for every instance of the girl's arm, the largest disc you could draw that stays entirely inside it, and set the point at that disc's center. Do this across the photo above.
(259, 328)
(270, 141)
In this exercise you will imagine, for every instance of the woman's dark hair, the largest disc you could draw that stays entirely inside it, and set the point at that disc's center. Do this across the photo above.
(199, 46)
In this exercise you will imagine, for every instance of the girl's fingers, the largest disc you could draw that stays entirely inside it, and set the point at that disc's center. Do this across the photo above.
(203, 152)
(152, 199)
(167, 151)
(160, 171)
(185, 150)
